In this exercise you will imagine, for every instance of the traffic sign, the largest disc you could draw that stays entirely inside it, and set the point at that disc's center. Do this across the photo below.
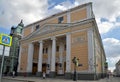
(5, 39)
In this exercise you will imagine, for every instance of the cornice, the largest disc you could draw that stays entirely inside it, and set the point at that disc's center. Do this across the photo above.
(50, 28)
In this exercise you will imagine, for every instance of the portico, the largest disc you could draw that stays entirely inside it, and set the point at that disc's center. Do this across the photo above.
(51, 56)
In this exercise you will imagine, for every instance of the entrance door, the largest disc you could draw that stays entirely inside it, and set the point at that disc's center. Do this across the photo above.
(64, 67)
(56, 67)
(34, 70)
(44, 67)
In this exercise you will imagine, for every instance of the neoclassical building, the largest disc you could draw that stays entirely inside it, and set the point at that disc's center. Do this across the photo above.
(49, 45)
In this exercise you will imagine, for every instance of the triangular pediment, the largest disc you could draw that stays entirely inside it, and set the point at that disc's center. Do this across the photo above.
(46, 29)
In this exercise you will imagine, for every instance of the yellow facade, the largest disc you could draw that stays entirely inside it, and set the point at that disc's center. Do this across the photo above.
(79, 15)
(59, 39)
(79, 49)
(24, 56)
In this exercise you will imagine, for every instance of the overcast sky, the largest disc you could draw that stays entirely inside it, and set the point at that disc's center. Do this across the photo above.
(107, 13)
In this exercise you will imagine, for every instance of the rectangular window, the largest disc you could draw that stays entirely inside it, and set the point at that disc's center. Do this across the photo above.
(43, 50)
(46, 50)
(37, 27)
(57, 48)
(60, 19)
(65, 47)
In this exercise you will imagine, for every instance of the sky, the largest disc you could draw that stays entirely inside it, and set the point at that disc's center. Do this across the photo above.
(107, 14)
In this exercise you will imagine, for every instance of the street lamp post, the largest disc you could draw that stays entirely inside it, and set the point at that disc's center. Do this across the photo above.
(5, 40)
(74, 75)
(75, 61)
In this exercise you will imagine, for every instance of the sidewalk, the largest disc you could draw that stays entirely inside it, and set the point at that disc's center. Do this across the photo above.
(37, 79)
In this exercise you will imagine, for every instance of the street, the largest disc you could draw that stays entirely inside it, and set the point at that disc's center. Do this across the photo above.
(36, 79)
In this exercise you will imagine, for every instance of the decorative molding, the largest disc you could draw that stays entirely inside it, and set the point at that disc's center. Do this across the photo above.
(55, 27)
(68, 52)
(30, 58)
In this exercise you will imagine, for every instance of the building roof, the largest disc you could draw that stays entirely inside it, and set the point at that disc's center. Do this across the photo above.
(80, 6)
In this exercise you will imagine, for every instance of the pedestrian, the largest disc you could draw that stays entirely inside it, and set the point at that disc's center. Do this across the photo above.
(44, 75)
(13, 74)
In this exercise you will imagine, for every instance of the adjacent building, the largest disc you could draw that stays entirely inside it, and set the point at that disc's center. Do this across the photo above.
(117, 70)
(49, 45)
(16, 33)
(6, 57)
(12, 53)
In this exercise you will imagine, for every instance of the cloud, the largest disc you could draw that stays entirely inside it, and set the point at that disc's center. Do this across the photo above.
(104, 27)
(61, 7)
(112, 61)
(12, 11)
(111, 68)
(108, 9)
(112, 50)
(112, 47)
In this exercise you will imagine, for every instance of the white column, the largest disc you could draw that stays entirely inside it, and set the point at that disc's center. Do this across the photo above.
(68, 52)
(30, 58)
(48, 61)
(90, 50)
(53, 54)
(40, 56)
(61, 49)
(19, 59)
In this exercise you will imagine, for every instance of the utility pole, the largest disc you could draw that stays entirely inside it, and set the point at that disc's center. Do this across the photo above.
(2, 63)
(5, 40)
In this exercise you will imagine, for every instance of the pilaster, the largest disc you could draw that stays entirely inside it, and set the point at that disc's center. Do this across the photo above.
(19, 61)
(30, 58)
(68, 52)
(90, 51)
